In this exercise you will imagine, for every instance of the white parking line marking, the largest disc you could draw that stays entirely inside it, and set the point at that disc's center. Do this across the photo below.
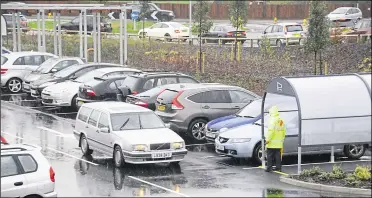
(251, 168)
(198, 144)
(214, 156)
(166, 189)
(328, 162)
(55, 150)
(71, 156)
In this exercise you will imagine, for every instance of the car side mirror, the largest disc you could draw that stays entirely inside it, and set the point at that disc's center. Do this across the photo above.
(73, 77)
(347, 14)
(167, 125)
(54, 70)
(104, 130)
(264, 32)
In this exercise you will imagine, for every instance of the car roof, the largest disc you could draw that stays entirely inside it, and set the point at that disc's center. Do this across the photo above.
(116, 107)
(68, 58)
(191, 86)
(294, 23)
(14, 148)
(27, 53)
(160, 73)
(113, 69)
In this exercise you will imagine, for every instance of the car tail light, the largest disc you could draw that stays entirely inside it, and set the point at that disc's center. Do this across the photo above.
(229, 34)
(176, 31)
(52, 174)
(142, 104)
(134, 92)
(91, 92)
(3, 71)
(176, 105)
(3, 140)
(244, 33)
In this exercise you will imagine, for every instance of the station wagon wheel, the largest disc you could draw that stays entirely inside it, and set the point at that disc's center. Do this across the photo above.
(14, 85)
(196, 129)
(257, 154)
(354, 151)
(118, 157)
(85, 146)
(279, 43)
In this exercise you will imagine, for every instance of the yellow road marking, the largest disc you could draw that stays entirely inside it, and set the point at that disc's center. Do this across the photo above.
(276, 171)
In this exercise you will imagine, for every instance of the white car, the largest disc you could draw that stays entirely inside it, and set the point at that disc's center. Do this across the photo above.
(354, 14)
(26, 172)
(16, 65)
(128, 133)
(165, 30)
(49, 67)
(65, 93)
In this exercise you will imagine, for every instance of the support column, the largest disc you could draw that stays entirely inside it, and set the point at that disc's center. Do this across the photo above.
(94, 35)
(81, 33)
(332, 154)
(59, 33)
(19, 32)
(299, 160)
(125, 38)
(85, 35)
(99, 36)
(14, 32)
(43, 29)
(55, 33)
(121, 36)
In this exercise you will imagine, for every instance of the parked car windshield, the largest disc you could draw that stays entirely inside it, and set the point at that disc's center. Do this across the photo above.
(46, 66)
(135, 121)
(176, 25)
(340, 11)
(252, 110)
(3, 60)
(290, 117)
(130, 82)
(67, 71)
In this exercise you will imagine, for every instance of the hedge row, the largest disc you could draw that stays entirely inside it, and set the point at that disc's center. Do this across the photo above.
(255, 69)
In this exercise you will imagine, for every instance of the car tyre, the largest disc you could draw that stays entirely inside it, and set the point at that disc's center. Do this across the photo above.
(354, 151)
(118, 157)
(85, 146)
(279, 43)
(196, 129)
(140, 35)
(257, 153)
(167, 37)
(14, 85)
(73, 103)
(174, 163)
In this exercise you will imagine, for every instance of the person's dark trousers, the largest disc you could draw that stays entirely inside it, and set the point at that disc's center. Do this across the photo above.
(273, 154)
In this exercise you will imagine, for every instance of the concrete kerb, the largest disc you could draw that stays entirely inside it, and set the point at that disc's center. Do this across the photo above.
(325, 188)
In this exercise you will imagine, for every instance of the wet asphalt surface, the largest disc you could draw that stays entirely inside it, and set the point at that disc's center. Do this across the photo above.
(201, 173)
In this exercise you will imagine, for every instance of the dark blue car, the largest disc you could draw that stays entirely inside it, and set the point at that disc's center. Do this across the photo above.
(247, 115)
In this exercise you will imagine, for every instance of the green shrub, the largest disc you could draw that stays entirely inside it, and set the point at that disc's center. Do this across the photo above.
(315, 171)
(352, 180)
(362, 173)
(337, 173)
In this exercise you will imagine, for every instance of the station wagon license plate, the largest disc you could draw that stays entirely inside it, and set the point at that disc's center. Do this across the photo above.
(33, 92)
(220, 147)
(296, 35)
(161, 108)
(161, 155)
(238, 34)
(211, 135)
(26, 86)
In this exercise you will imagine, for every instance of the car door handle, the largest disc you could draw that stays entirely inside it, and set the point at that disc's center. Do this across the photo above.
(86, 127)
(206, 107)
(18, 184)
(236, 107)
(97, 131)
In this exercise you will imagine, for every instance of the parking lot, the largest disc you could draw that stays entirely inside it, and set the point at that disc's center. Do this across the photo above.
(201, 173)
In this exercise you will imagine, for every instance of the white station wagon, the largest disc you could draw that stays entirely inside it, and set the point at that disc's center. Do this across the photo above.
(129, 133)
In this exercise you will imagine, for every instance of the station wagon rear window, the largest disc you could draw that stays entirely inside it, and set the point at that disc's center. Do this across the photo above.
(84, 113)
(3, 60)
(294, 28)
(125, 121)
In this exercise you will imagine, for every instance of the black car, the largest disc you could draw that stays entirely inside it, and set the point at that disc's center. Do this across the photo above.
(155, 13)
(145, 81)
(74, 24)
(10, 25)
(71, 72)
(224, 31)
(148, 98)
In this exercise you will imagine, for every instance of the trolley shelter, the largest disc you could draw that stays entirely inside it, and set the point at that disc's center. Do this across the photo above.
(83, 9)
(332, 109)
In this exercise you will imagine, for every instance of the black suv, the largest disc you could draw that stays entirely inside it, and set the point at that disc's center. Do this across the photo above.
(141, 82)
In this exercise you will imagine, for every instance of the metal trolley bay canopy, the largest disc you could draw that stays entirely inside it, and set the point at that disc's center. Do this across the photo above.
(332, 109)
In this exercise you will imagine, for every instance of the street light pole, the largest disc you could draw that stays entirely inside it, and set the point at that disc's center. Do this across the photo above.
(190, 26)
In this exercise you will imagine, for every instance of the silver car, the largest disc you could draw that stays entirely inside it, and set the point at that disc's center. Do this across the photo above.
(245, 141)
(129, 133)
(188, 108)
(16, 65)
(49, 67)
(282, 33)
(352, 13)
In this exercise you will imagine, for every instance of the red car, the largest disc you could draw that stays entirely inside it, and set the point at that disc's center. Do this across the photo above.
(3, 141)
(362, 27)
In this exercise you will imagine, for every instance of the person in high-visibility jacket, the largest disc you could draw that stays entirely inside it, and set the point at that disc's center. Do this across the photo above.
(275, 139)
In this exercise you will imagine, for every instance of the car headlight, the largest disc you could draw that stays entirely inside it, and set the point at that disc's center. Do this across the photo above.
(240, 140)
(47, 84)
(140, 147)
(177, 145)
(223, 129)
(171, 14)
